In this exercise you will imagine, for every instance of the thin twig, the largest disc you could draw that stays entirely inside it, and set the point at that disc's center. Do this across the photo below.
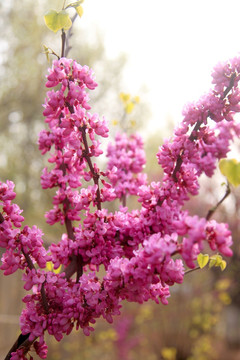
(124, 200)
(43, 293)
(76, 264)
(63, 4)
(213, 209)
(44, 299)
(1, 218)
(230, 86)
(95, 175)
(192, 137)
(191, 270)
(63, 36)
(29, 260)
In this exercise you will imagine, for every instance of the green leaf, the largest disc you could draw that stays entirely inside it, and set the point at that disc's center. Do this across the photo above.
(57, 20)
(202, 260)
(230, 169)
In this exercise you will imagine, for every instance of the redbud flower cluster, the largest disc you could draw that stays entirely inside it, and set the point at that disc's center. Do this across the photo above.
(126, 161)
(143, 251)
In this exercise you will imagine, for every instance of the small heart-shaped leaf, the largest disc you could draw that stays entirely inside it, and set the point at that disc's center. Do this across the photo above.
(230, 169)
(223, 265)
(202, 260)
(57, 20)
(129, 107)
(217, 260)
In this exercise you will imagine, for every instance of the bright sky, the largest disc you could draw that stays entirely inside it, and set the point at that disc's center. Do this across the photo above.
(172, 45)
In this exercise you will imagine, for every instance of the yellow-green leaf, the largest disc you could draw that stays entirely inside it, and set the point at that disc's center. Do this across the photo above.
(230, 169)
(169, 353)
(46, 52)
(79, 10)
(115, 122)
(57, 20)
(223, 284)
(215, 260)
(218, 259)
(58, 270)
(124, 97)
(133, 122)
(223, 265)
(129, 107)
(136, 99)
(212, 263)
(74, 4)
(202, 260)
(225, 298)
(49, 266)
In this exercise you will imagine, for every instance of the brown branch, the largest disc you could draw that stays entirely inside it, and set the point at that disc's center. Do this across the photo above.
(43, 294)
(124, 200)
(76, 264)
(192, 137)
(230, 86)
(177, 167)
(29, 260)
(86, 155)
(63, 37)
(21, 342)
(1, 218)
(44, 299)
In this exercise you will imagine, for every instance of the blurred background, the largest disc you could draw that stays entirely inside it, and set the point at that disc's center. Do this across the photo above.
(163, 52)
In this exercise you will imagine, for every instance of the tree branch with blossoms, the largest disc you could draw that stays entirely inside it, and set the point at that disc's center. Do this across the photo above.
(137, 248)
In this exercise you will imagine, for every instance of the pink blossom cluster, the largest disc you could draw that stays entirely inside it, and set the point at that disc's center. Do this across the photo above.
(142, 251)
(19, 244)
(40, 349)
(207, 127)
(126, 159)
(72, 135)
